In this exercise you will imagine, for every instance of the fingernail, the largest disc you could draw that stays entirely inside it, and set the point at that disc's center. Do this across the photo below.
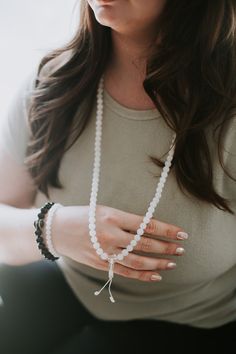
(171, 265)
(180, 250)
(156, 277)
(182, 235)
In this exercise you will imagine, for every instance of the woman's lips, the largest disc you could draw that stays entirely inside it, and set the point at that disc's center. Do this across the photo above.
(105, 2)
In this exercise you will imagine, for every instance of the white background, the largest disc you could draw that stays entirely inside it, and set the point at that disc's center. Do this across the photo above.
(28, 30)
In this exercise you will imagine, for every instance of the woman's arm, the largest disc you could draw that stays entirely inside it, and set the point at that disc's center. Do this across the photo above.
(17, 193)
(17, 240)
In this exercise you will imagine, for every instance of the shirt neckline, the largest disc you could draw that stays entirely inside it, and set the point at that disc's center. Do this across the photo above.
(129, 113)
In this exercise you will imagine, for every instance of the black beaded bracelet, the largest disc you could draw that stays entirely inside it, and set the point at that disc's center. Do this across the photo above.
(39, 224)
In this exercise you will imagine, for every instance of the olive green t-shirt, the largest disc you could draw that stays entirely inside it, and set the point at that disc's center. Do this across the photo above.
(201, 291)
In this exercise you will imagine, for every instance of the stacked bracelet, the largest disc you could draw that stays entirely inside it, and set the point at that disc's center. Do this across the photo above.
(39, 224)
(49, 244)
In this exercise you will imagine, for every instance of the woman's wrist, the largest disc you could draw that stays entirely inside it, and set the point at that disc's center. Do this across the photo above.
(39, 225)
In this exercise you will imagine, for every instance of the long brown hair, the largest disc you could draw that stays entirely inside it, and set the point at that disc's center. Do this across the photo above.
(190, 77)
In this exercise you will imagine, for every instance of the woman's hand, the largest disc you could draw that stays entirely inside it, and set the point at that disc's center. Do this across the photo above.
(115, 229)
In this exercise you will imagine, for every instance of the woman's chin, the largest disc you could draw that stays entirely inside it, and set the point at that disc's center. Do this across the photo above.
(106, 19)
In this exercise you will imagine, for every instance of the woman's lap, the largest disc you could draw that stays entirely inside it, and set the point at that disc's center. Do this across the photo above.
(148, 337)
(41, 314)
(39, 309)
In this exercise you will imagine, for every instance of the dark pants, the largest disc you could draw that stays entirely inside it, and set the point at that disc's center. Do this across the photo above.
(40, 314)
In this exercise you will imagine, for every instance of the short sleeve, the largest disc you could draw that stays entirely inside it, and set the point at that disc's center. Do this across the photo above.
(14, 127)
(230, 159)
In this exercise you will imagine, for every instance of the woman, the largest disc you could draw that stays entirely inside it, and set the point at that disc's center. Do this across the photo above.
(160, 67)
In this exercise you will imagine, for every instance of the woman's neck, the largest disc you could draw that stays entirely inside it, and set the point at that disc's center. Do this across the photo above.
(126, 71)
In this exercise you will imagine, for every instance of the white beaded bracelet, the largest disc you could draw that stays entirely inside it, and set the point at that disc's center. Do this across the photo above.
(48, 235)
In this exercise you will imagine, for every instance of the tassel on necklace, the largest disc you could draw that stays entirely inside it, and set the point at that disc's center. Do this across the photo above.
(111, 275)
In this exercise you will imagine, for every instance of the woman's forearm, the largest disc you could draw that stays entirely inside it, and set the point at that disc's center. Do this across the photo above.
(17, 239)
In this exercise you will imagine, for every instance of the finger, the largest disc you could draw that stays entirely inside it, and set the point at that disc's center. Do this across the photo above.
(148, 244)
(159, 228)
(143, 275)
(146, 263)
(131, 222)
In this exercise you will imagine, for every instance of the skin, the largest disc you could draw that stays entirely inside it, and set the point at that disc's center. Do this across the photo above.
(133, 26)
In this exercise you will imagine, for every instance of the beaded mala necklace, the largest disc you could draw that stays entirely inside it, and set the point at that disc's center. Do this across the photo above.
(93, 197)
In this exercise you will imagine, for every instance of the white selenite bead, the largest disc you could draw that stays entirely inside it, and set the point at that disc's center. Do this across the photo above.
(162, 181)
(149, 214)
(93, 202)
(151, 208)
(166, 170)
(104, 256)
(94, 239)
(97, 166)
(97, 147)
(97, 156)
(140, 232)
(133, 243)
(98, 122)
(96, 245)
(94, 185)
(130, 248)
(95, 192)
(92, 212)
(91, 219)
(137, 237)
(161, 185)
(99, 251)
(92, 228)
(92, 233)
(156, 196)
(146, 219)
(120, 257)
(163, 178)
(92, 205)
(125, 252)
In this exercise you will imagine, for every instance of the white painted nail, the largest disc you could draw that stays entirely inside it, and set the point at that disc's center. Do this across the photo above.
(180, 250)
(156, 277)
(171, 265)
(182, 235)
